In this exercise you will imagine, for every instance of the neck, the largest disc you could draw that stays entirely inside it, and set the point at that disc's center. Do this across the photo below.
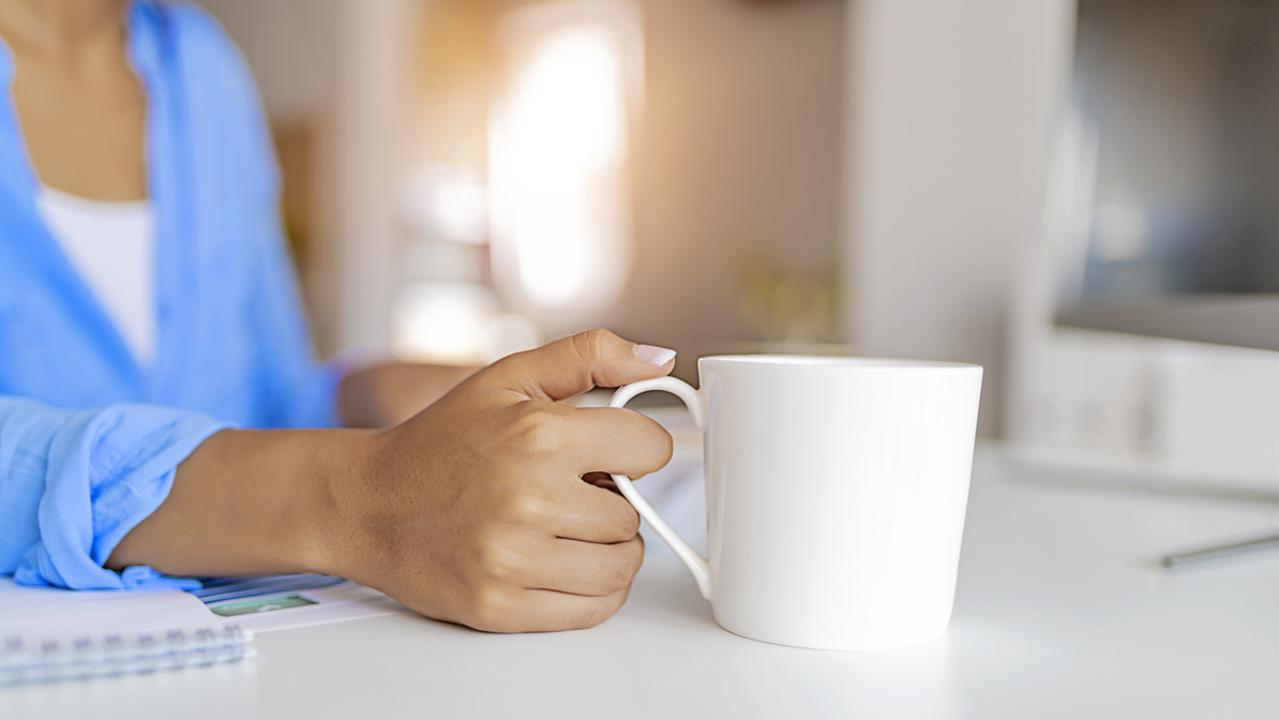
(69, 28)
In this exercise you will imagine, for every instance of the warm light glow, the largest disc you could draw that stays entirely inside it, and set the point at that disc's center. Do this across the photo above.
(458, 324)
(447, 204)
(443, 322)
(561, 210)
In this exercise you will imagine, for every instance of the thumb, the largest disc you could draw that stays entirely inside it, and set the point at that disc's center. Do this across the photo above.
(575, 364)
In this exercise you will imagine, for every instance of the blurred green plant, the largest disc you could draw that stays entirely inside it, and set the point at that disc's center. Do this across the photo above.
(786, 306)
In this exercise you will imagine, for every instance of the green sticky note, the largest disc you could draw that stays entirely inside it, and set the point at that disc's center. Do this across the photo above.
(260, 605)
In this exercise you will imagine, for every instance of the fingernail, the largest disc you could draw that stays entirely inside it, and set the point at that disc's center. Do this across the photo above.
(654, 355)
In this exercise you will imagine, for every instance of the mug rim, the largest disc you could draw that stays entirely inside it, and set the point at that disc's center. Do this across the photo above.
(835, 361)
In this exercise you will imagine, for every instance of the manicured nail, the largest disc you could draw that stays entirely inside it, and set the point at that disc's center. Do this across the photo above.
(654, 355)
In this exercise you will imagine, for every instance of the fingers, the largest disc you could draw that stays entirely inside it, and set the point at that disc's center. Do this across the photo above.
(585, 441)
(594, 515)
(615, 440)
(600, 480)
(584, 568)
(578, 363)
(548, 611)
(576, 441)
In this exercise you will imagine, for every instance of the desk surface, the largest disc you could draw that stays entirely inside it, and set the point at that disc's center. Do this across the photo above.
(1061, 612)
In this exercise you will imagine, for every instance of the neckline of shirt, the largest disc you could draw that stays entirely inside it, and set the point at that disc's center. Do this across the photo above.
(81, 204)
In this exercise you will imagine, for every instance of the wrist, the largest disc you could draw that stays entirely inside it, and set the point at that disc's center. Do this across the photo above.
(250, 502)
(329, 538)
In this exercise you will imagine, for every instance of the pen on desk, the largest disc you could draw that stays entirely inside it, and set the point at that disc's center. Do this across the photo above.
(1220, 552)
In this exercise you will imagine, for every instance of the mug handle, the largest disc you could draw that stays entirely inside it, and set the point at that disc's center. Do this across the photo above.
(697, 564)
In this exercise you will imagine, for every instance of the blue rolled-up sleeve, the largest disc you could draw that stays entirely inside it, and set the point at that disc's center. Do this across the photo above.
(73, 483)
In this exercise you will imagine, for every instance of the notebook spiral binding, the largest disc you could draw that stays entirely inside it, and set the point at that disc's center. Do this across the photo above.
(24, 661)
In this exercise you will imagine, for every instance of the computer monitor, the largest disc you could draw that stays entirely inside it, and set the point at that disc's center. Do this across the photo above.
(1171, 171)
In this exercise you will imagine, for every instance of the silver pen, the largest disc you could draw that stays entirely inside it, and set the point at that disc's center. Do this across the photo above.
(1219, 552)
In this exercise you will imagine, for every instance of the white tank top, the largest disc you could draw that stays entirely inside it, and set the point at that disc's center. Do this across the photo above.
(112, 245)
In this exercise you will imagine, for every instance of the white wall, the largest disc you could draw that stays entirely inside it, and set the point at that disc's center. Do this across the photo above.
(363, 171)
(949, 106)
(289, 44)
(736, 162)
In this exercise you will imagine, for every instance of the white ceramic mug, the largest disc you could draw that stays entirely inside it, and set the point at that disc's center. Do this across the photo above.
(836, 491)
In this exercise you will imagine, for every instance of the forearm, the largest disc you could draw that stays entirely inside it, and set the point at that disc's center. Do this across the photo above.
(257, 501)
(389, 393)
(248, 502)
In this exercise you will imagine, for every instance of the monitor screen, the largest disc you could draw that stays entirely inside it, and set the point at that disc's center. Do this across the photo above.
(1173, 142)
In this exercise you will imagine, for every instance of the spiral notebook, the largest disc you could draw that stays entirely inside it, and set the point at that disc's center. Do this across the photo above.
(50, 635)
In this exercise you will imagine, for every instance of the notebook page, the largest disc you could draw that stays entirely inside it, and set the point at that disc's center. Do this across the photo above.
(47, 613)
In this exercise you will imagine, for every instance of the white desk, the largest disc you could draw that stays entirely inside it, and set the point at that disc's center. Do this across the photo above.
(1061, 612)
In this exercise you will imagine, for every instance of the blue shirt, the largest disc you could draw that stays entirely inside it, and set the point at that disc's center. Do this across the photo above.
(89, 440)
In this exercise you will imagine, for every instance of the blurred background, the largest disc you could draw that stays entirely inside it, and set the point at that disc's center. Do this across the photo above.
(465, 178)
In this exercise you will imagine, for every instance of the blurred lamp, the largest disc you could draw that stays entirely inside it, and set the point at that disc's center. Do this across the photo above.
(559, 147)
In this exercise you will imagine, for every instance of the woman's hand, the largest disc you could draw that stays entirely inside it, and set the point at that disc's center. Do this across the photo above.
(473, 511)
